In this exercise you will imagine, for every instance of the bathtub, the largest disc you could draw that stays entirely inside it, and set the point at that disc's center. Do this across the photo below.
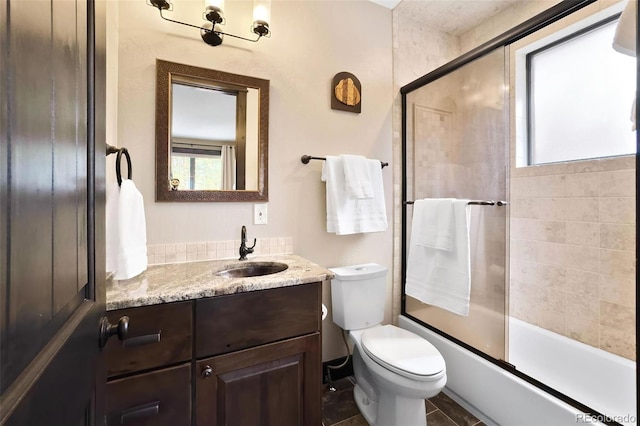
(599, 379)
(501, 398)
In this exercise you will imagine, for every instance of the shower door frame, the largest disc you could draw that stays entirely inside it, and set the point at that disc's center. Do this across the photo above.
(553, 14)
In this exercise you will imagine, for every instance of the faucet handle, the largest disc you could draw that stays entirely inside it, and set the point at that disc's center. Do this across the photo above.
(254, 244)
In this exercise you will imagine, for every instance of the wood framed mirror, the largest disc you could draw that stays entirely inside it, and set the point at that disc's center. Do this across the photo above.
(212, 135)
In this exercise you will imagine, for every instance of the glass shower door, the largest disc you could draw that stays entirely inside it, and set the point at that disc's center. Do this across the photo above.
(457, 130)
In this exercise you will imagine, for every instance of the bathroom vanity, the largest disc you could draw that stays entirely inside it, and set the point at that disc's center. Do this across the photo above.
(205, 349)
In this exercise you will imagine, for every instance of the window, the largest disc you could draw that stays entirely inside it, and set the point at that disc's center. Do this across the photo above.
(580, 94)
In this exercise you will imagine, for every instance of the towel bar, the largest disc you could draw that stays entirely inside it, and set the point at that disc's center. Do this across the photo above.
(476, 203)
(306, 158)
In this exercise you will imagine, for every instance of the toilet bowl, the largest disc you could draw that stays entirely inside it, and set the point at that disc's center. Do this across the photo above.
(394, 369)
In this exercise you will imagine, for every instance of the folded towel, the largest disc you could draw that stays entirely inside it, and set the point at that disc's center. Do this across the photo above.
(347, 215)
(356, 176)
(441, 277)
(434, 226)
(126, 231)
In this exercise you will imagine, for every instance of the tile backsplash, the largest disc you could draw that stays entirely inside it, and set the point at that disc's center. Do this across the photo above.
(212, 250)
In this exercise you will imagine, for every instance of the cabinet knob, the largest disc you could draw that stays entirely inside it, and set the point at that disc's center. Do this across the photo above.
(207, 371)
(107, 330)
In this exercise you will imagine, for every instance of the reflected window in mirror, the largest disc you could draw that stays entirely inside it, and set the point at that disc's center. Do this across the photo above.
(212, 131)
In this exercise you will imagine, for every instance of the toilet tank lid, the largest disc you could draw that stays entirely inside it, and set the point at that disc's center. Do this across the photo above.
(359, 272)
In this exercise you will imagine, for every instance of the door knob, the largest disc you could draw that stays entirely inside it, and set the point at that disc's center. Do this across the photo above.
(107, 330)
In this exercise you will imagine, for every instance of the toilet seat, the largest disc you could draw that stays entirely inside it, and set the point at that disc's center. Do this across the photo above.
(403, 352)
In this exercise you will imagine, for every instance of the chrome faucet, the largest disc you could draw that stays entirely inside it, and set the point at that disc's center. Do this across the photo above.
(244, 250)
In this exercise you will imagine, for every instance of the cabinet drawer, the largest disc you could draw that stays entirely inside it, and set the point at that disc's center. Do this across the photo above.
(230, 323)
(159, 398)
(158, 335)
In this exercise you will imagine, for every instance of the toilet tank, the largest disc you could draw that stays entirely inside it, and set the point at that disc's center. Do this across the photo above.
(357, 295)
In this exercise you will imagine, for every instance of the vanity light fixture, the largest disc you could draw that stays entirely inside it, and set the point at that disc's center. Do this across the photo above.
(214, 18)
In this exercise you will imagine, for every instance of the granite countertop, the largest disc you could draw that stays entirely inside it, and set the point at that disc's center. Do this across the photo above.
(195, 280)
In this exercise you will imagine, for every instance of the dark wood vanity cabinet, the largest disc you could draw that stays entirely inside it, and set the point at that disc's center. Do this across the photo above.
(250, 359)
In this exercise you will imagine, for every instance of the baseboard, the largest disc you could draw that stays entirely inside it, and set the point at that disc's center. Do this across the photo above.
(338, 374)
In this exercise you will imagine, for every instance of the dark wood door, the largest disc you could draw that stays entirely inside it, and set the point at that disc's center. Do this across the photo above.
(278, 384)
(51, 212)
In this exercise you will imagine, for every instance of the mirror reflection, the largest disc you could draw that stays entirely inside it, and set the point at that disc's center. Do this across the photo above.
(214, 136)
(211, 135)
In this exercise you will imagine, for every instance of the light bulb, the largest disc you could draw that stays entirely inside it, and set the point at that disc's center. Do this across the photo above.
(262, 11)
(217, 5)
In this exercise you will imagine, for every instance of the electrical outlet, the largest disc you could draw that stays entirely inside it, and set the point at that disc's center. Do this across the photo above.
(260, 214)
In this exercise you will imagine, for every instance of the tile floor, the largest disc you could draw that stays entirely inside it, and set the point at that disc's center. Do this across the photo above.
(339, 409)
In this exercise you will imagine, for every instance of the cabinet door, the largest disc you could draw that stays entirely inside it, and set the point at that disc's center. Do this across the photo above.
(271, 385)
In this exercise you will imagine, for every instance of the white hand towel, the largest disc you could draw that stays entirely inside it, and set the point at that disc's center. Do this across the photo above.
(346, 215)
(356, 176)
(440, 277)
(435, 224)
(111, 226)
(132, 233)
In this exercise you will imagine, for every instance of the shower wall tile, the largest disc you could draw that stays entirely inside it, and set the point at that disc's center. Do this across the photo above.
(581, 209)
(614, 315)
(582, 284)
(617, 290)
(582, 330)
(617, 236)
(583, 234)
(617, 263)
(617, 209)
(617, 183)
(618, 341)
(582, 258)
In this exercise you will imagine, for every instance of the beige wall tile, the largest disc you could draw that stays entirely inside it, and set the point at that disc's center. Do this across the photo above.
(582, 283)
(618, 290)
(582, 185)
(524, 249)
(537, 274)
(582, 258)
(618, 342)
(618, 236)
(552, 253)
(582, 330)
(617, 263)
(552, 310)
(581, 209)
(617, 210)
(618, 183)
(618, 316)
(583, 234)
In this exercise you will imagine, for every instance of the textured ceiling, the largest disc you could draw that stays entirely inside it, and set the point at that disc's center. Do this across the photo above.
(453, 16)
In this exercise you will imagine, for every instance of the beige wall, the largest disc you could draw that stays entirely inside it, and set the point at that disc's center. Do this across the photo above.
(573, 238)
(311, 42)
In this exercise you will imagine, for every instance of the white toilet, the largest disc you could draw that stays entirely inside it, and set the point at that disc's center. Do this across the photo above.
(395, 370)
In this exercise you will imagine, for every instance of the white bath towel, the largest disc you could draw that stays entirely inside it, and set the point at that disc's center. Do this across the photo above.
(434, 226)
(357, 179)
(346, 215)
(126, 231)
(441, 277)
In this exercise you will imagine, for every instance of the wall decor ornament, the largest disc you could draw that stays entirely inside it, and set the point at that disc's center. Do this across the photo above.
(346, 92)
